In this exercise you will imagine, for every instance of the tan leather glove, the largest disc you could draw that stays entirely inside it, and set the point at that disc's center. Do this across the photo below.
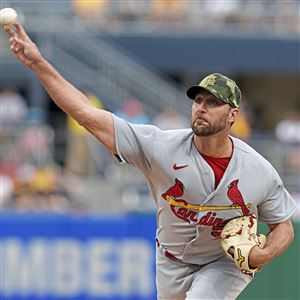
(241, 234)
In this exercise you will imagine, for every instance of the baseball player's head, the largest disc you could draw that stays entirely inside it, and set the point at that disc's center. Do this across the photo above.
(216, 104)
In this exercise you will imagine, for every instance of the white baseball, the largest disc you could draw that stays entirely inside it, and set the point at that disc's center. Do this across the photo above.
(8, 16)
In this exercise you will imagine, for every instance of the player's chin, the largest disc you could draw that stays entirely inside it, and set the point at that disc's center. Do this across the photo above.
(201, 130)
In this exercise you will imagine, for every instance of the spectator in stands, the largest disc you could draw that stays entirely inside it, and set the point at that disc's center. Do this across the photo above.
(277, 16)
(36, 139)
(14, 108)
(79, 160)
(216, 13)
(288, 129)
(13, 112)
(166, 10)
(129, 10)
(25, 201)
(92, 10)
(287, 132)
(220, 8)
(6, 190)
(43, 180)
(133, 112)
(55, 202)
(32, 201)
(286, 14)
(39, 189)
(242, 126)
(170, 118)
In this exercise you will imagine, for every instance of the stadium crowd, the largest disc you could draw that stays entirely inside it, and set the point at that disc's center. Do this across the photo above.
(269, 16)
(31, 179)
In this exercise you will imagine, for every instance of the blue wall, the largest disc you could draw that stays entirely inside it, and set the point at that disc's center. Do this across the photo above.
(214, 53)
(55, 257)
(69, 257)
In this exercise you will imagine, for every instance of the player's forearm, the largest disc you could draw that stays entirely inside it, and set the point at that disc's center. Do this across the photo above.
(64, 94)
(74, 103)
(278, 241)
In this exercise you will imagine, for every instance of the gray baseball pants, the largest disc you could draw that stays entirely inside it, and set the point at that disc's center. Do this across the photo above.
(220, 279)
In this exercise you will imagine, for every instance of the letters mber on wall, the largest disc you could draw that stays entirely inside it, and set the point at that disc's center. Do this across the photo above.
(69, 267)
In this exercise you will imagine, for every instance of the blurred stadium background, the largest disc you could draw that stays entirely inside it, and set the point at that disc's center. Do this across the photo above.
(75, 224)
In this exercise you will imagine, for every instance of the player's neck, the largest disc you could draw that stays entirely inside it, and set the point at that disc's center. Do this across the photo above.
(214, 146)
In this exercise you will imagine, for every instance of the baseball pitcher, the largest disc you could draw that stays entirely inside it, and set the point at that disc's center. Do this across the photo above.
(209, 188)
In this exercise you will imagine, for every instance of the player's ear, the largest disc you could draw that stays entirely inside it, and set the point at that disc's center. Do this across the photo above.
(233, 114)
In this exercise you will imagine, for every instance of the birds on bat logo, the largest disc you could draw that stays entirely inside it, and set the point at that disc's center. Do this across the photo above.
(174, 193)
(188, 212)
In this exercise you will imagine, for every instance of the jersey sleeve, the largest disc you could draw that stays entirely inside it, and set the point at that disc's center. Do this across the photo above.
(278, 205)
(134, 143)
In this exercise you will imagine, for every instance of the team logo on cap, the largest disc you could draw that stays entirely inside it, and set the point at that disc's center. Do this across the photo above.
(210, 80)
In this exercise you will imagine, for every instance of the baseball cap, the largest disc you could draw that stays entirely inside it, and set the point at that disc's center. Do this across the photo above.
(222, 87)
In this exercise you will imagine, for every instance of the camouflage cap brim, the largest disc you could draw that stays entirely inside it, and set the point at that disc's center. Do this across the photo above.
(193, 91)
(222, 87)
(196, 89)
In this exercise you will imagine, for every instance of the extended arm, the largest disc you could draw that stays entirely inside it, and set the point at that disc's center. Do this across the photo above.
(280, 237)
(65, 95)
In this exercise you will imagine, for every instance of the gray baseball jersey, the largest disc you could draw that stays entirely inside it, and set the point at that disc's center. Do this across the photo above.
(191, 212)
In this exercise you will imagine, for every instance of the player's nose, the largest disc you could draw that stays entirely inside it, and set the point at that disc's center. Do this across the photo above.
(201, 107)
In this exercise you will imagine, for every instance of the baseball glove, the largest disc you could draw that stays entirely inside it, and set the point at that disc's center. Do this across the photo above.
(240, 233)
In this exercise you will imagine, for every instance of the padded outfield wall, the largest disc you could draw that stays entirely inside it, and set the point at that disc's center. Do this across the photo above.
(107, 258)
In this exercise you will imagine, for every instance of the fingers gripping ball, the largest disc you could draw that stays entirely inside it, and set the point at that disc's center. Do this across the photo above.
(8, 16)
(241, 234)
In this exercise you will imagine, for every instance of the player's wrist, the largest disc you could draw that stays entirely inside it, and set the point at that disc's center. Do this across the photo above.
(36, 63)
(259, 257)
